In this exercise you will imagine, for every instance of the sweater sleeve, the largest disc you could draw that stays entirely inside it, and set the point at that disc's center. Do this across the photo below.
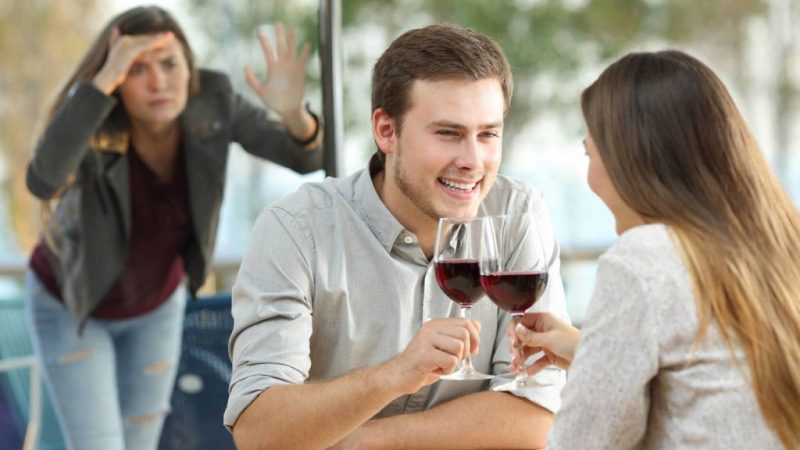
(269, 139)
(606, 401)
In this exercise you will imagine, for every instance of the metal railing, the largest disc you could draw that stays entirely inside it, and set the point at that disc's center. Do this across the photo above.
(222, 273)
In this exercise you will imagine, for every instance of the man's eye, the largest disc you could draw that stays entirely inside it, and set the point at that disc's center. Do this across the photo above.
(447, 133)
(168, 64)
(490, 134)
(136, 69)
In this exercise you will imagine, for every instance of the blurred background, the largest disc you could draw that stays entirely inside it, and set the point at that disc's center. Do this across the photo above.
(556, 48)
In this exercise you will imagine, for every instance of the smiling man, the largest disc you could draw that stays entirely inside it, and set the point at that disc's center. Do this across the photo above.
(341, 333)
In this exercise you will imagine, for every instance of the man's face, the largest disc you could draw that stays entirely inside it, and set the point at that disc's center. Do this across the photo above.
(445, 158)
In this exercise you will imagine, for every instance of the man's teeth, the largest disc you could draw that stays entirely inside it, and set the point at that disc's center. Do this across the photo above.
(459, 186)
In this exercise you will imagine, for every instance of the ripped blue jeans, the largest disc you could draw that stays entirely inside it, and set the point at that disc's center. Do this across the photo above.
(111, 386)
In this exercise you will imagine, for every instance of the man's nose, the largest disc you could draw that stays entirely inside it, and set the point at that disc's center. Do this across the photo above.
(469, 155)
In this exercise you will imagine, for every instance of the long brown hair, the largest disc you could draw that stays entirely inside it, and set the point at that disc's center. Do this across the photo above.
(138, 20)
(678, 152)
(135, 21)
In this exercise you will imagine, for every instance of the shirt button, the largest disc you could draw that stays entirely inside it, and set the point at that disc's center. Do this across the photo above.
(408, 239)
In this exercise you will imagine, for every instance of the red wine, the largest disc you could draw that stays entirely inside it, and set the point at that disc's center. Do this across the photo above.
(460, 280)
(514, 291)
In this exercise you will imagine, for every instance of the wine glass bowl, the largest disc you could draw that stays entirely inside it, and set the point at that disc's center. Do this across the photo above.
(514, 291)
(517, 275)
(460, 280)
(457, 254)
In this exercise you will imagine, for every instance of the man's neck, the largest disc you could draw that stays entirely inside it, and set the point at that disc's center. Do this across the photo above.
(413, 220)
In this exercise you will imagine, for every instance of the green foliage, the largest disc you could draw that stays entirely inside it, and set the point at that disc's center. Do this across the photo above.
(549, 42)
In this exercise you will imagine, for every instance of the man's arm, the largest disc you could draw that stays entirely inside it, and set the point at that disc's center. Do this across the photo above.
(317, 415)
(480, 420)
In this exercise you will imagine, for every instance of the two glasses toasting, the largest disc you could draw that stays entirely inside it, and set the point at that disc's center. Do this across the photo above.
(501, 256)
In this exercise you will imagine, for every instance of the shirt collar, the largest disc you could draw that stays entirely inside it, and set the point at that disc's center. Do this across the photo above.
(380, 220)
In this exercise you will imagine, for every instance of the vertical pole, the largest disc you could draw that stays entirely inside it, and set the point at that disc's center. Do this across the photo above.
(330, 23)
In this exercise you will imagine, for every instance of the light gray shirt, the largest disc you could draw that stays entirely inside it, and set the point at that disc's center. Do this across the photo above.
(637, 380)
(332, 282)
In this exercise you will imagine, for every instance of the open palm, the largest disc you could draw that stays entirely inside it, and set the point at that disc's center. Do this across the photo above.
(283, 89)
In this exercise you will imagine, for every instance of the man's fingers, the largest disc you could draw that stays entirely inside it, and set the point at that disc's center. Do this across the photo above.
(452, 345)
(444, 362)
(456, 327)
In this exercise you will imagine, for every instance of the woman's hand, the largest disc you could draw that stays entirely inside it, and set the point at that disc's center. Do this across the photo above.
(542, 332)
(283, 89)
(123, 49)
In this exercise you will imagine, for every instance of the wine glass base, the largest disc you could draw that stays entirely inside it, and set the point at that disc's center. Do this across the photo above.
(466, 375)
(521, 384)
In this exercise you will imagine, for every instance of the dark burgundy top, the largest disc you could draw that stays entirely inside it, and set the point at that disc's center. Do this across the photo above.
(160, 231)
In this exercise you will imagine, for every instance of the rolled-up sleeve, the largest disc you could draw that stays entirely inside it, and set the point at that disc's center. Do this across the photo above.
(271, 310)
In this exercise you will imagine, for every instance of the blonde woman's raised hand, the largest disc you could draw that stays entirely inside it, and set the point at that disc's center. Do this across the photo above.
(123, 49)
(542, 332)
(283, 89)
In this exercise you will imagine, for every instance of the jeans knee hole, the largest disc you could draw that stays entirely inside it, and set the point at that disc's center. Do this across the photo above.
(75, 356)
(158, 367)
(145, 419)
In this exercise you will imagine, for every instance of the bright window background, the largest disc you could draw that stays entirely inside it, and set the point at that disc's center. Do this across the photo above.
(556, 48)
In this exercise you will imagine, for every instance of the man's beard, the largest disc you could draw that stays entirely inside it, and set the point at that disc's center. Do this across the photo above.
(416, 195)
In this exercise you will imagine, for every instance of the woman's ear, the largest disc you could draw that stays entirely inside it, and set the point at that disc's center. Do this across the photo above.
(384, 130)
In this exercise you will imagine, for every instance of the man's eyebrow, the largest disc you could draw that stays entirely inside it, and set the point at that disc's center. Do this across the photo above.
(458, 126)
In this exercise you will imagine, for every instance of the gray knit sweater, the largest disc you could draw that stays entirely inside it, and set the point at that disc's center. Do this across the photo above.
(637, 381)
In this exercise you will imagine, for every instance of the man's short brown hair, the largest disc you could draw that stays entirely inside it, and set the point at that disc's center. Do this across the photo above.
(435, 52)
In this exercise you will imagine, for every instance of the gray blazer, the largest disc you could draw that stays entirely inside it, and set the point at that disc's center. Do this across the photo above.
(88, 138)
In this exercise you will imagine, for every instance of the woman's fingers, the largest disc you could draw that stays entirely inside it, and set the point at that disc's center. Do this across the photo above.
(251, 79)
(530, 338)
(538, 365)
(266, 48)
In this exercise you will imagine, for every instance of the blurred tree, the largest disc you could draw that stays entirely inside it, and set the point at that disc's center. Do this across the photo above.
(549, 42)
(40, 43)
(544, 39)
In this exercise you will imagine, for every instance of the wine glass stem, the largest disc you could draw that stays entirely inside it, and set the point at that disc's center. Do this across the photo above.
(464, 312)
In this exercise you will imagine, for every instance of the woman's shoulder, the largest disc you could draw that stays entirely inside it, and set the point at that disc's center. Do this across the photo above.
(212, 80)
(647, 249)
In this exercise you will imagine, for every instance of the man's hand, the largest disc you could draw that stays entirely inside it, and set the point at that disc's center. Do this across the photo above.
(435, 351)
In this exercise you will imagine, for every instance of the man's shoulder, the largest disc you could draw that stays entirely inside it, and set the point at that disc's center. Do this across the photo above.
(510, 195)
(312, 197)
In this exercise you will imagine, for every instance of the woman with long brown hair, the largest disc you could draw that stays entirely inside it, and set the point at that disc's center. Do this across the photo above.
(692, 337)
(135, 152)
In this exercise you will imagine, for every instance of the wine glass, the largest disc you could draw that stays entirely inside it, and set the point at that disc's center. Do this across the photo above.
(456, 253)
(514, 275)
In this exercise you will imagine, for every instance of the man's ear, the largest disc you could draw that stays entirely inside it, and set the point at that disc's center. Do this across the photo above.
(384, 130)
